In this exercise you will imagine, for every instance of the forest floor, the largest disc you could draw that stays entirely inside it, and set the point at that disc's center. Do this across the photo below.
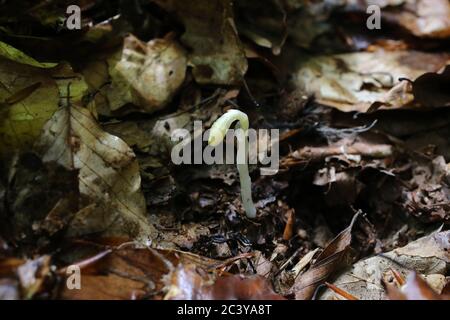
(358, 206)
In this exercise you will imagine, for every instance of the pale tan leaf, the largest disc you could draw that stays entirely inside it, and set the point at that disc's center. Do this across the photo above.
(108, 173)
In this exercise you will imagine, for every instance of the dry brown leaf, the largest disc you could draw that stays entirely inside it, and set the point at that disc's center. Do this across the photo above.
(422, 18)
(108, 174)
(326, 263)
(131, 273)
(42, 198)
(365, 80)
(216, 52)
(432, 89)
(415, 288)
(32, 275)
(365, 279)
(153, 71)
(9, 289)
(188, 283)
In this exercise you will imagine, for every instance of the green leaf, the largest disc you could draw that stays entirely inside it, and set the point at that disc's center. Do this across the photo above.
(13, 54)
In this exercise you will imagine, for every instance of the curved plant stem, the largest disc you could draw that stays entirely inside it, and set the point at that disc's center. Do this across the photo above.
(217, 134)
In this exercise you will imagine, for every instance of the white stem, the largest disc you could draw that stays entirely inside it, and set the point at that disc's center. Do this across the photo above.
(217, 134)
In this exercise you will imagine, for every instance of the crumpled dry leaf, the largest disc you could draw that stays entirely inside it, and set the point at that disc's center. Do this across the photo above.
(415, 288)
(144, 74)
(262, 22)
(42, 199)
(325, 264)
(428, 196)
(364, 280)
(431, 89)
(189, 283)
(359, 81)
(108, 174)
(32, 275)
(130, 273)
(153, 71)
(427, 18)
(9, 289)
(423, 18)
(216, 52)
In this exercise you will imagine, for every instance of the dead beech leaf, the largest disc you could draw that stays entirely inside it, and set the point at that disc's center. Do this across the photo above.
(363, 81)
(432, 89)
(32, 275)
(267, 28)
(326, 263)
(424, 18)
(186, 282)
(421, 18)
(9, 289)
(153, 71)
(415, 288)
(146, 75)
(108, 174)
(216, 54)
(365, 279)
(237, 287)
(42, 197)
(428, 201)
(130, 273)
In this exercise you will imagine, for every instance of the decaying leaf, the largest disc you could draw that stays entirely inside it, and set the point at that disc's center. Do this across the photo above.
(146, 75)
(428, 196)
(154, 71)
(13, 54)
(431, 89)
(9, 289)
(187, 283)
(42, 197)
(268, 28)
(211, 35)
(325, 264)
(415, 288)
(364, 280)
(131, 273)
(32, 275)
(108, 173)
(28, 98)
(23, 115)
(358, 81)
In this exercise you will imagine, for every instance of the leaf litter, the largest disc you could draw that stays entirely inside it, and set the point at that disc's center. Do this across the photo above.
(359, 208)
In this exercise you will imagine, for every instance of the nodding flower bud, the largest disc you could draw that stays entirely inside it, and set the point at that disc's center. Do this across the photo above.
(220, 126)
(217, 134)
